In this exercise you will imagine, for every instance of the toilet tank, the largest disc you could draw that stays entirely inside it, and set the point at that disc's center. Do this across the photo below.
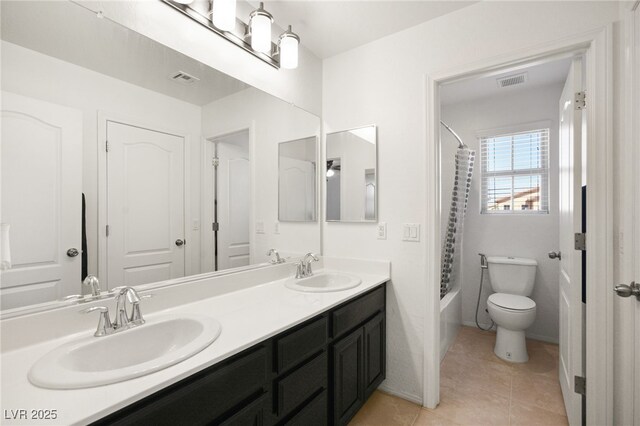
(512, 275)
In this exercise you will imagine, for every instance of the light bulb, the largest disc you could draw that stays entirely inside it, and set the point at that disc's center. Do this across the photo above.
(261, 30)
(289, 43)
(223, 14)
(330, 173)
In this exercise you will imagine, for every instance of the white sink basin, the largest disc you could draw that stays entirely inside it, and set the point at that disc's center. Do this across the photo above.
(94, 361)
(324, 282)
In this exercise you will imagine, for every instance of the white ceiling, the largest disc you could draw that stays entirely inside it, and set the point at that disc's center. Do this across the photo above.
(329, 27)
(74, 34)
(539, 75)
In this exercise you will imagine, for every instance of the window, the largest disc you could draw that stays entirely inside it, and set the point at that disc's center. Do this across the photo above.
(515, 172)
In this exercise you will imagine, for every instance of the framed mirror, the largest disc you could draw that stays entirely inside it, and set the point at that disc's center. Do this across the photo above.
(127, 160)
(351, 175)
(297, 177)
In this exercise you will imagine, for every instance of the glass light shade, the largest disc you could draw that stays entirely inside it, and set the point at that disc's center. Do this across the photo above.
(184, 1)
(261, 33)
(223, 14)
(289, 52)
(330, 173)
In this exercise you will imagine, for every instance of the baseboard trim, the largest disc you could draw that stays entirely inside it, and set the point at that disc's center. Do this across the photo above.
(546, 339)
(412, 398)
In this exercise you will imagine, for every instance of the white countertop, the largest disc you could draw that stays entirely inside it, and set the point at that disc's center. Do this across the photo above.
(248, 316)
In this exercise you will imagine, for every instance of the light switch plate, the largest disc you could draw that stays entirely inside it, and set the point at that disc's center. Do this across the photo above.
(411, 232)
(382, 230)
(195, 225)
(259, 227)
(276, 228)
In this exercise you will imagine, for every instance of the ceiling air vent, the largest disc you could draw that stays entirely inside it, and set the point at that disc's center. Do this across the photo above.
(184, 78)
(512, 80)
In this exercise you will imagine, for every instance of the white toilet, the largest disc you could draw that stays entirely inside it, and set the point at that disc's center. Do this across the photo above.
(512, 280)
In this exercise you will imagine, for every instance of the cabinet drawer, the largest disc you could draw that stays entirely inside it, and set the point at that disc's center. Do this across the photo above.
(302, 384)
(202, 399)
(301, 344)
(356, 312)
(313, 414)
(251, 415)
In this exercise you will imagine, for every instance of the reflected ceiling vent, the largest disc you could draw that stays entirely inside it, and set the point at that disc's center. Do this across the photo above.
(184, 78)
(512, 80)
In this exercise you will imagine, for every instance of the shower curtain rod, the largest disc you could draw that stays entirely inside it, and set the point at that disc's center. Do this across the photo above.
(460, 144)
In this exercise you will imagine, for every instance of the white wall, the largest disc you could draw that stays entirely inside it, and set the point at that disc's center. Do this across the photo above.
(520, 235)
(160, 22)
(272, 121)
(383, 83)
(38, 76)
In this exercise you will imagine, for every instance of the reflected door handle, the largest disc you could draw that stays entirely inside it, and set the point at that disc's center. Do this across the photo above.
(555, 255)
(180, 242)
(73, 252)
(624, 290)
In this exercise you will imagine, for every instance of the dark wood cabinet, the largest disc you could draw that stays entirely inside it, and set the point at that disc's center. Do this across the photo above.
(317, 373)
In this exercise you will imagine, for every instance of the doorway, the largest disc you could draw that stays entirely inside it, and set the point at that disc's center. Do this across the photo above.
(597, 170)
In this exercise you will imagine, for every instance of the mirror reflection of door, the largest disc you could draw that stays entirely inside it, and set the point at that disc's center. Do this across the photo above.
(334, 183)
(232, 200)
(297, 180)
(370, 194)
(145, 205)
(41, 147)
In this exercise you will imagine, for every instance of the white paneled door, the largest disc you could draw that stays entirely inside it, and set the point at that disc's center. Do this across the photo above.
(41, 151)
(234, 203)
(297, 181)
(571, 314)
(145, 205)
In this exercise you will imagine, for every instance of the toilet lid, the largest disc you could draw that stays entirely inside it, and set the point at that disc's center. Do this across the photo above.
(512, 301)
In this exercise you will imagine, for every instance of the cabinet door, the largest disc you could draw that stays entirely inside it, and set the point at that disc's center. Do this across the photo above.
(348, 376)
(374, 353)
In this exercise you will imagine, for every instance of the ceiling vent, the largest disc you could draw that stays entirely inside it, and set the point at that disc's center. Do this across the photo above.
(184, 78)
(512, 80)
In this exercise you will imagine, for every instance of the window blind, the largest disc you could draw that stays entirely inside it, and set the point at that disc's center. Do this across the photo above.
(515, 172)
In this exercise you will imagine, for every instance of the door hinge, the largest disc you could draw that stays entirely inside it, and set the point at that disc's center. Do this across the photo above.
(580, 385)
(107, 230)
(215, 161)
(580, 100)
(580, 241)
(215, 226)
(106, 146)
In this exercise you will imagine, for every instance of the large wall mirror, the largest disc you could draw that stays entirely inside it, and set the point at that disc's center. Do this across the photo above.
(351, 175)
(124, 159)
(297, 170)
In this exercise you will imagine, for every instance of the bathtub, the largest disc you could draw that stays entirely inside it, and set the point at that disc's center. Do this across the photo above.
(450, 319)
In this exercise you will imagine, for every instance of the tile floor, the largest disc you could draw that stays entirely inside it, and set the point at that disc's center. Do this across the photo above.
(478, 388)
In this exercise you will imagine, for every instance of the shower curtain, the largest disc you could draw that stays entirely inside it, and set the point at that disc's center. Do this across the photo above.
(450, 268)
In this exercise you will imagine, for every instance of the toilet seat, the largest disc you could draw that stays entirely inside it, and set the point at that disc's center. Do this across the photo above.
(511, 302)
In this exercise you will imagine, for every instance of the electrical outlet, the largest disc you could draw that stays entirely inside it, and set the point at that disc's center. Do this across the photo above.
(411, 232)
(382, 230)
(259, 227)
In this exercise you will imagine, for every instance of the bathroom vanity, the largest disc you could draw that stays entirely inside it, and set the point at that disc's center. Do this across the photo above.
(283, 356)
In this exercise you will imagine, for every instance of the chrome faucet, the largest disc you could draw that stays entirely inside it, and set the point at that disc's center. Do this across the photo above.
(278, 259)
(92, 282)
(303, 268)
(123, 320)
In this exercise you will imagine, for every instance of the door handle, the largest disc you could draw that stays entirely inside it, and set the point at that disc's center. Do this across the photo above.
(180, 242)
(624, 290)
(555, 255)
(73, 252)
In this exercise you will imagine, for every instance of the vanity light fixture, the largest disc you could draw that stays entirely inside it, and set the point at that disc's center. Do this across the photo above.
(288, 49)
(260, 29)
(223, 14)
(219, 16)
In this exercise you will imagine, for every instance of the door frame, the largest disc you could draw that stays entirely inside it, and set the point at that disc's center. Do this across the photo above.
(597, 46)
(206, 242)
(103, 118)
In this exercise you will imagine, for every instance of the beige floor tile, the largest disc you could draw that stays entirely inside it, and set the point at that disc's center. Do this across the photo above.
(539, 391)
(543, 360)
(526, 415)
(472, 407)
(386, 410)
(430, 418)
(459, 370)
